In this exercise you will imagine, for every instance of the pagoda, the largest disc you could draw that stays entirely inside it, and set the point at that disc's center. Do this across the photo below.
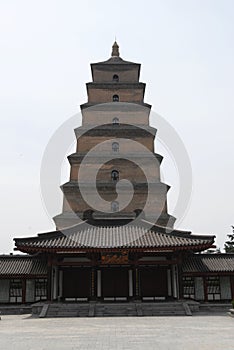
(114, 239)
(115, 133)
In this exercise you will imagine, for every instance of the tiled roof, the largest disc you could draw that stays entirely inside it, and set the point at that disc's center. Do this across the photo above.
(115, 60)
(113, 237)
(22, 266)
(209, 263)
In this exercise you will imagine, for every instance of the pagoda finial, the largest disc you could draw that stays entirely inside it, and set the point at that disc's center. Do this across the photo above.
(115, 49)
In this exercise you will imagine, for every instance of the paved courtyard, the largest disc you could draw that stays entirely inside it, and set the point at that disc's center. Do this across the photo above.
(197, 332)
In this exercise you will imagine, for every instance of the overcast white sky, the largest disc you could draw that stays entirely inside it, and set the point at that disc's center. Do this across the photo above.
(186, 48)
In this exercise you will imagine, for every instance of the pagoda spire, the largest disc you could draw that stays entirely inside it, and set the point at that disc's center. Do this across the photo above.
(115, 49)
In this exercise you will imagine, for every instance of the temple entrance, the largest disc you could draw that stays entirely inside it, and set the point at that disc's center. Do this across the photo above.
(115, 283)
(76, 283)
(153, 283)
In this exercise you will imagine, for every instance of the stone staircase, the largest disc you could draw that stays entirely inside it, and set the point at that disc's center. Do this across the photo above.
(213, 308)
(166, 309)
(65, 310)
(131, 309)
(114, 309)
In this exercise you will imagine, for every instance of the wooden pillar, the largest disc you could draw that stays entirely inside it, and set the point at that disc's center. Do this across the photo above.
(180, 281)
(93, 280)
(232, 286)
(99, 283)
(130, 284)
(49, 278)
(23, 291)
(60, 284)
(175, 282)
(137, 284)
(169, 285)
(55, 283)
(205, 288)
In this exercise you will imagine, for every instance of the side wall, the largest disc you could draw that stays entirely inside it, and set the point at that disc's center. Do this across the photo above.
(4, 291)
(28, 290)
(208, 288)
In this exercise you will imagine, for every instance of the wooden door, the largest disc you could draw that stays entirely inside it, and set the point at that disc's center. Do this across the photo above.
(153, 282)
(115, 282)
(76, 283)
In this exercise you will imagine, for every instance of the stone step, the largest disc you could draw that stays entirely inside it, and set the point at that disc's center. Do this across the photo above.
(44, 311)
(115, 309)
(166, 313)
(64, 311)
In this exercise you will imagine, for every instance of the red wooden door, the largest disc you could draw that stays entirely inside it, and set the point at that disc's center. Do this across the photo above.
(115, 282)
(76, 283)
(153, 282)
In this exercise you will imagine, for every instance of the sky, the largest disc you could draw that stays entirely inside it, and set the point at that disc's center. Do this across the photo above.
(186, 49)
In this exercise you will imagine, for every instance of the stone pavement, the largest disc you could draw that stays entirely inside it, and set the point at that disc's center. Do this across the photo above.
(22, 332)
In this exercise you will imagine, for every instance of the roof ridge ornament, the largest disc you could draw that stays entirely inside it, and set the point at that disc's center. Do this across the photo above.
(115, 49)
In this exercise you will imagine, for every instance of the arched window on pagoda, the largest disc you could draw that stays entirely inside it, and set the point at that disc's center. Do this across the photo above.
(115, 121)
(114, 206)
(115, 175)
(115, 78)
(115, 98)
(115, 147)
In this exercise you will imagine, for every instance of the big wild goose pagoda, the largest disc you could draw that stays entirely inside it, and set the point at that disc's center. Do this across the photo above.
(114, 239)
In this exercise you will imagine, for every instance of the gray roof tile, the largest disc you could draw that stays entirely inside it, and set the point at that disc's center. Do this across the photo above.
(112, 237)
(22, 266)
(209, 263)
